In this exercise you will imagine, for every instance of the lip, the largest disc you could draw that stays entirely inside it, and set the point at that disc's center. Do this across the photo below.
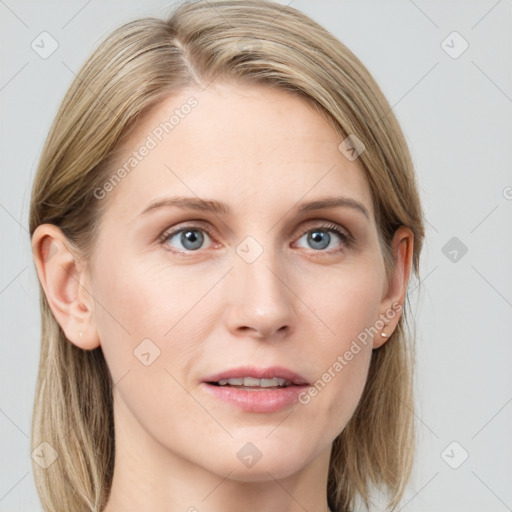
(258, 400)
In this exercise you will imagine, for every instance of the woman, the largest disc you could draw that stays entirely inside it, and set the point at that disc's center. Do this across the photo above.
(224, 222)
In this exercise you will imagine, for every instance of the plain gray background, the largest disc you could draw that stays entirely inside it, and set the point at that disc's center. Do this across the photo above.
(456, 111)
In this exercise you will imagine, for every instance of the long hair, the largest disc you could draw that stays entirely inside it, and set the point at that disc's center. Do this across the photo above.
(135, 67)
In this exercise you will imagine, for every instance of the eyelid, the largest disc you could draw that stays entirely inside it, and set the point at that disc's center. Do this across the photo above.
(326, 225)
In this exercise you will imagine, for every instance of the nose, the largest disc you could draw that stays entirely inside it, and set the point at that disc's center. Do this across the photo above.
(260, 301)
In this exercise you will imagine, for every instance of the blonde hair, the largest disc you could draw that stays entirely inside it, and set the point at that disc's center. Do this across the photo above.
(139, 64)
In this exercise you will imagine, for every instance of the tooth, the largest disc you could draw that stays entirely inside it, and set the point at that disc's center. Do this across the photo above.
(250, 381)
(269, 383)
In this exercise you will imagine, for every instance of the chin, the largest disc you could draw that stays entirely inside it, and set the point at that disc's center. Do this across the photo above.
(262, 460)
(264, 471)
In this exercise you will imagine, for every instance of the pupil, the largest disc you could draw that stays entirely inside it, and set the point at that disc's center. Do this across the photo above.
(192, 239)
(316, 239)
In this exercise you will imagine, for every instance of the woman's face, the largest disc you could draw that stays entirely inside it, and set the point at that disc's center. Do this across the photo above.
(244, 276)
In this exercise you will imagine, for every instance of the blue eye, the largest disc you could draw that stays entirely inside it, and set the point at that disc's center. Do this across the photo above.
(190, 238)
(320, 238)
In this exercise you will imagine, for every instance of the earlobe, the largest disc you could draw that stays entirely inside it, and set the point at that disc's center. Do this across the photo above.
(394, 295)
(61, 276)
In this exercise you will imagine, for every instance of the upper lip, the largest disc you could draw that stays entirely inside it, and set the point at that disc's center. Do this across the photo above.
(271, 372)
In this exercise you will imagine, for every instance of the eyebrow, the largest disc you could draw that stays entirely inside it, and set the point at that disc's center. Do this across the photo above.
(333, 202)
(218, 207)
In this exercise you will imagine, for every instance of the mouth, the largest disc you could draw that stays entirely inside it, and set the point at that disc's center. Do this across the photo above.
(257, 378)
(253, 383)
(251, 389)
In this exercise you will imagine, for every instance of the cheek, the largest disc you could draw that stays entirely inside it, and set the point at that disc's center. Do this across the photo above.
(340, 380)
(348, 305)
(138, 301)
(148, 338)
(148, 323)
(346, 302)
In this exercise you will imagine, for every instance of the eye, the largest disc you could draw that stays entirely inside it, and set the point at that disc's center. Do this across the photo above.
(327, 236)
(187, 238)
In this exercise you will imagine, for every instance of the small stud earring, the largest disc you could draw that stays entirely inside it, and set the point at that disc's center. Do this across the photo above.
(384, 335)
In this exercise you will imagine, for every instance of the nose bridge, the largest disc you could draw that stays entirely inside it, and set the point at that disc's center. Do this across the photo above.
(260, 300)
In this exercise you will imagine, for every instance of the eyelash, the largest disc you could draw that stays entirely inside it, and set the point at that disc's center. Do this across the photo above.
(346, 238)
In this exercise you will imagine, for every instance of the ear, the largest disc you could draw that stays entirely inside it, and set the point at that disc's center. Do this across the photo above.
(392, 303)
(65, 283)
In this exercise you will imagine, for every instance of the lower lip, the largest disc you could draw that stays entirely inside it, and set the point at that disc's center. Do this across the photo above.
(257, 400)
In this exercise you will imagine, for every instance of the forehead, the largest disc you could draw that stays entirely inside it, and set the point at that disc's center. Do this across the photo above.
(250, 146)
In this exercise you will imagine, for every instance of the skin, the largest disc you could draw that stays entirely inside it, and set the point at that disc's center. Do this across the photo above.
(263, 152)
